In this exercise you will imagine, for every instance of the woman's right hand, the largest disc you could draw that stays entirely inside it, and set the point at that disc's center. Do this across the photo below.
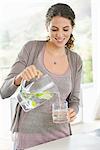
(27, 74)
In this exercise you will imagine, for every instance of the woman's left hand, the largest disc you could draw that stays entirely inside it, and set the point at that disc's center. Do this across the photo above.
(71, 114)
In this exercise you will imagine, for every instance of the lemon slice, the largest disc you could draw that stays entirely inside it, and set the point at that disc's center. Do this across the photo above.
(33, 104)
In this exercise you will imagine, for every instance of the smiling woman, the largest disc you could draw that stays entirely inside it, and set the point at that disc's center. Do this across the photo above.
(34, 61)
(20, 24)
(60, 30)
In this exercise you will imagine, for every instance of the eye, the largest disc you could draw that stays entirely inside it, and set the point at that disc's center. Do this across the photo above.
(65, 30)
(53, 29)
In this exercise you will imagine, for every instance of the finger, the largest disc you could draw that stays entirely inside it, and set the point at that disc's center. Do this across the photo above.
(31, 72)
(34, 70)
(72, 119)
(72, 114)
(39, 74)
(26, 76)
(71, 111)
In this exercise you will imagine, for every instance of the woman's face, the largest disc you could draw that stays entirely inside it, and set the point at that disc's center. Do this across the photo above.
(60, 29)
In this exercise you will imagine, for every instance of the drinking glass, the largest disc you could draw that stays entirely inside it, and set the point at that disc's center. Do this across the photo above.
(60, 112)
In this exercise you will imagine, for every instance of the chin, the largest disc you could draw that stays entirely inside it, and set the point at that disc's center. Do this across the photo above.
(59, 45)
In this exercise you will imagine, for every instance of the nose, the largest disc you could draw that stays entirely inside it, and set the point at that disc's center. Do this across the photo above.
(59, 34)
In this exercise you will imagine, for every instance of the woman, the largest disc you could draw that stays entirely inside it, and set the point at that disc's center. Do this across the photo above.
(55, 58)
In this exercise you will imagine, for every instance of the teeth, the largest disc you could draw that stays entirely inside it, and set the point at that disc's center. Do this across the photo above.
(59, 40)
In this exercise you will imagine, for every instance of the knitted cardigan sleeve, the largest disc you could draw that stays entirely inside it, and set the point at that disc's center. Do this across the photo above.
(23, 60)
(74, 97)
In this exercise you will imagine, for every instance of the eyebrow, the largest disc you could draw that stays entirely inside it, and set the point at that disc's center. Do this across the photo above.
(57, 27)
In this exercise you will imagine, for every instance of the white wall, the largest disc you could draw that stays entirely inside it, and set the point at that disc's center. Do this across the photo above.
(91, 93)
(96, 42)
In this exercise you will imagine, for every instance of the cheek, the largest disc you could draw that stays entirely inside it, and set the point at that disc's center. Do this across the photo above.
(52, 34)
(68, 34)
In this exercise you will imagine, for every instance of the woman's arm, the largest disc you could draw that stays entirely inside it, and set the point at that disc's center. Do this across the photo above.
(10, 84)
(74, 98)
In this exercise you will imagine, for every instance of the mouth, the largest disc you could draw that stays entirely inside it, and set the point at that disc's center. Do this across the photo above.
(60, 40)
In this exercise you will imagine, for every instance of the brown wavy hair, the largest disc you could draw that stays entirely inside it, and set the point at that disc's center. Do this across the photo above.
(65, 11)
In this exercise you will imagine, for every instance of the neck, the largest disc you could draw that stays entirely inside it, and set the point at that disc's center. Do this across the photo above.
(54, 50)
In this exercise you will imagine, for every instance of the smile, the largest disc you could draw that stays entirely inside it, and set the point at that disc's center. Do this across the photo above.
(60, 40)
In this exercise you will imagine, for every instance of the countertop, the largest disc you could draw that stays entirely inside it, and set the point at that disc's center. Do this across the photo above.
(86, 141)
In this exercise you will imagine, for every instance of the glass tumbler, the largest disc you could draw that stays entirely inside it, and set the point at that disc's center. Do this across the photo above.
(60, 112)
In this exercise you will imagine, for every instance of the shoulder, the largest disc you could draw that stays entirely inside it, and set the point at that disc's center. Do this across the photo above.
(31, 45)
(75, 57)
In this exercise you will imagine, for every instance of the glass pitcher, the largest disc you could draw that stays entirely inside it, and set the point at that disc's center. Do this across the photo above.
(36, 93)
